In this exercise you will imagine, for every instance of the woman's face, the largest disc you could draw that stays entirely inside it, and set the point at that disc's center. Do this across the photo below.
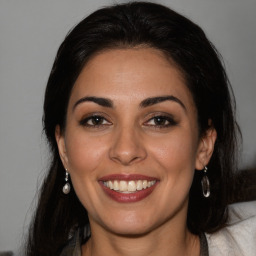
(131, 142)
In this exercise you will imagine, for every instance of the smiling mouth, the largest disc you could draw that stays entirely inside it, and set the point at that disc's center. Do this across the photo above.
(125, 188)
(131, 186)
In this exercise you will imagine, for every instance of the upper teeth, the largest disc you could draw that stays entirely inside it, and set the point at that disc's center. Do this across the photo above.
(128, 186)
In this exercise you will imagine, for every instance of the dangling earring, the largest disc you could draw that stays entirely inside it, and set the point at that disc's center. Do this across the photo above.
(205, 184)
(66, 187)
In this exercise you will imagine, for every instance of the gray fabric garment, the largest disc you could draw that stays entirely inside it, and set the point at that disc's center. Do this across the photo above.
(203, 245)
(73, 247)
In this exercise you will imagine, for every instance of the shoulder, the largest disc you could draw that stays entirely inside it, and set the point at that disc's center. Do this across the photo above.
(238, 238)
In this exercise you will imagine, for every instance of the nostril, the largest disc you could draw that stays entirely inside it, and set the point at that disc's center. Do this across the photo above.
(127, 147)
(126, 157)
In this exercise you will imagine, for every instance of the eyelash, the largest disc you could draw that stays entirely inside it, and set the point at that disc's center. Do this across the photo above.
(85, 121)
(104, 122)
(165, 118)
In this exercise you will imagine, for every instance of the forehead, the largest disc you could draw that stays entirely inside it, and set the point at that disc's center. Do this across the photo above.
(125, 74)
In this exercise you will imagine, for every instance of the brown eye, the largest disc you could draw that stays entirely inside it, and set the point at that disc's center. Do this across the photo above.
(161, 122)
(94, 121)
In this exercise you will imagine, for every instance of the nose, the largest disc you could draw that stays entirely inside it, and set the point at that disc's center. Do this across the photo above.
(127, 147)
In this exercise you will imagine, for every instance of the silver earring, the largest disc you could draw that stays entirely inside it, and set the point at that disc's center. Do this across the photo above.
(205, 184)
(66, 187)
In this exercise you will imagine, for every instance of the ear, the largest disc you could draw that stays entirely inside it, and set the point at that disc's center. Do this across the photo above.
(61, 146)
(205, 148)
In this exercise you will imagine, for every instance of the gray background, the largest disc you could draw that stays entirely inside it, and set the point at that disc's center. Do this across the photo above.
(30, 33)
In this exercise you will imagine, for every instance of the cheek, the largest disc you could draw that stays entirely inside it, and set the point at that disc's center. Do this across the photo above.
(176, 156)
(175, 150)
(85, 157)
(84, 153)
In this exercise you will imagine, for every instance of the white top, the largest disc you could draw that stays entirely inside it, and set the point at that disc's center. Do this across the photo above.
(239, 237)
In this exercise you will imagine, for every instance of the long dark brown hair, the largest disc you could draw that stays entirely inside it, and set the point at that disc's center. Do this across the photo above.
(126, 26)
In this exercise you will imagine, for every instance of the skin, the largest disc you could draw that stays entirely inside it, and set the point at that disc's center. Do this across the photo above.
(128, 140)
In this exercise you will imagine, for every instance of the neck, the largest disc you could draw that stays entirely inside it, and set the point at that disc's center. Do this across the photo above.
(167, 240)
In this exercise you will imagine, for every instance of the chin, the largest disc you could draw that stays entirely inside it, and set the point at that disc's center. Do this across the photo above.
(131, 230)
(129, 224)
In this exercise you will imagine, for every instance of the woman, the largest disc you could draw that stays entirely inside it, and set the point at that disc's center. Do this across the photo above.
(139, 116)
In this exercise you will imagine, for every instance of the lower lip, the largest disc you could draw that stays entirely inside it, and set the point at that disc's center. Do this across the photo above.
(128, 197)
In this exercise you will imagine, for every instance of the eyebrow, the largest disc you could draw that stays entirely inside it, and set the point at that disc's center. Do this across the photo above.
(155, 100)
(104, 102)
